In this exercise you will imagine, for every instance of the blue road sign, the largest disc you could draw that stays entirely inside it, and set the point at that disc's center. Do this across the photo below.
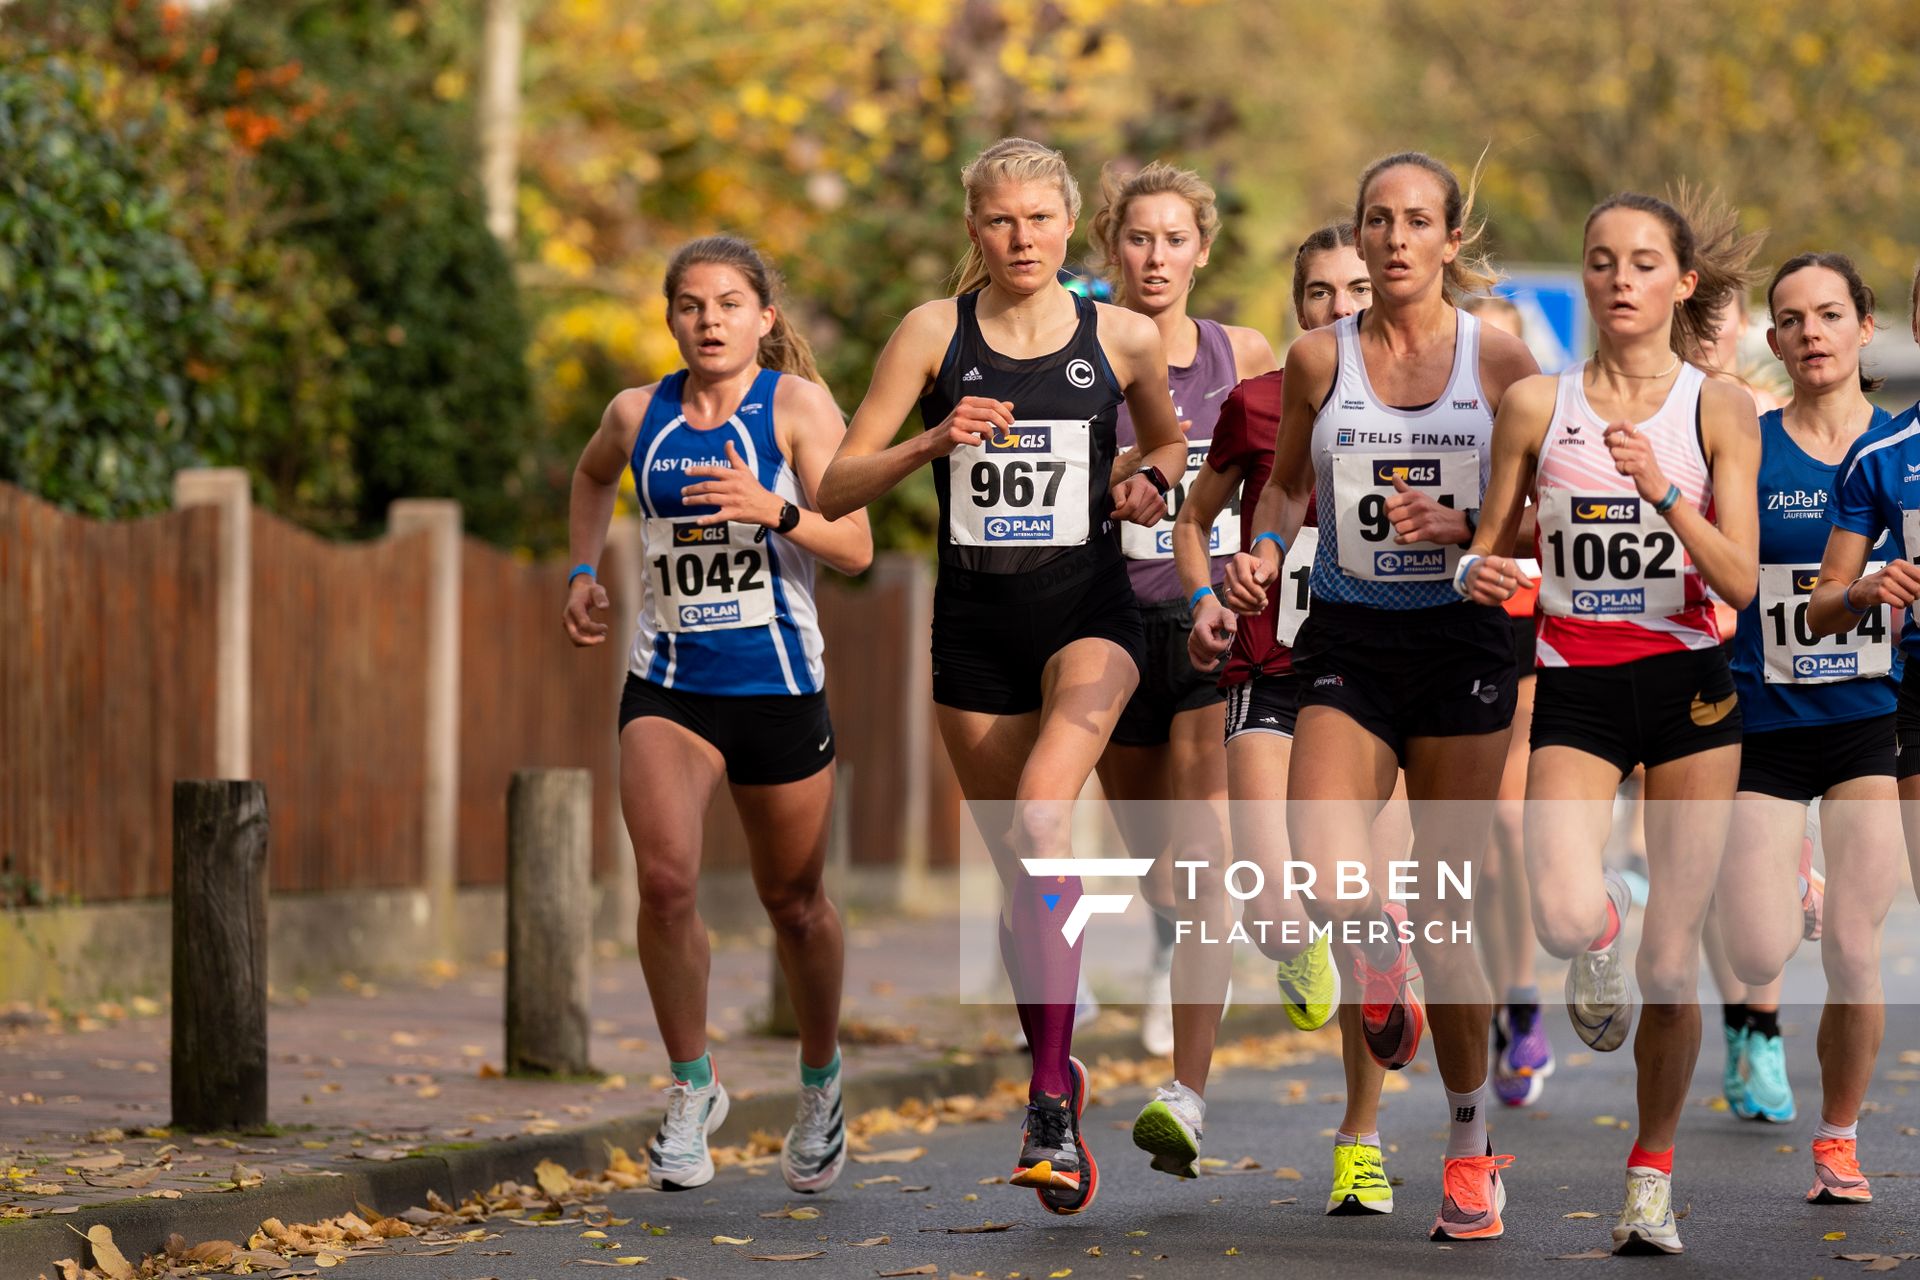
(1553, 309)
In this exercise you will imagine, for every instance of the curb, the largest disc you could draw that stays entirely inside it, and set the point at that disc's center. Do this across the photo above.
(140, 1225)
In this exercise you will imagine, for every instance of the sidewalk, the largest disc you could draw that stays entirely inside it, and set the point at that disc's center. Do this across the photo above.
(382, 1094)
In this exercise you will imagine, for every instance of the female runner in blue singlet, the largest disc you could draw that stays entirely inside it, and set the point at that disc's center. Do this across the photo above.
(725, 675)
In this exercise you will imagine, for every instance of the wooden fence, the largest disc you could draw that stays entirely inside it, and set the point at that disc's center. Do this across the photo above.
(112, 678)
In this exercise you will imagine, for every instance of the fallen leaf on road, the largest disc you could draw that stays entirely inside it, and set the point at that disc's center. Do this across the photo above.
(1287, 1174)
(107, 1256)
(593, 1235)
(133, 1178)
(553, 1179)
(804, 1213)
(899, 1155)
(1882, 1263)
(96, 1164)
(926, 1270)
(1834, 1235)
(864, 1183)
(599, 1262)
(974, 1231)
(1288, 1200)
(733, 1239)
(869, 1242)
(1580, 1213)
(1057, 1275)
(1580, 1257)
(786, 1257)
(165, 1193)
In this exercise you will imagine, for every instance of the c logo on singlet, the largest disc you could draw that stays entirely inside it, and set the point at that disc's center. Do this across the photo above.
(1080, 373)
(690, 534)
(1413, 471)
(1606, 510)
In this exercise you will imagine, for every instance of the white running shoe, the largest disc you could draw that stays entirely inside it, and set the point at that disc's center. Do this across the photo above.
(1156, 1015)
(1169, 1128)
(1599, 992)
(1646, 1224)
(816, 1146)
(677, 1155)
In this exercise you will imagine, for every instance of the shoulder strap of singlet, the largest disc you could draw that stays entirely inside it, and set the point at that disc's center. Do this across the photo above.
(1466, 359)
(1088, 337)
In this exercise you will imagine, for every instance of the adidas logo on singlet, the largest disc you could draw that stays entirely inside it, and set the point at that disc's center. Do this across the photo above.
(971, 375)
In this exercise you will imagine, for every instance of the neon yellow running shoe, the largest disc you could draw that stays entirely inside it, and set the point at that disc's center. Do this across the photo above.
(1310, 985)
(1359, 1181)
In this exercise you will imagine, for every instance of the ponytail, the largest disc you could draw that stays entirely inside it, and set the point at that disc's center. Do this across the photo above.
(1705, 233)
(784, 347)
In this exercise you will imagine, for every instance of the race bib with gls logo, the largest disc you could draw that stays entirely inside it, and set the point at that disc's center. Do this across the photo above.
(1027, 486)
(708, 577)
(1140, 542)
(1362, 483)
(1608, 556)
(1794, 655)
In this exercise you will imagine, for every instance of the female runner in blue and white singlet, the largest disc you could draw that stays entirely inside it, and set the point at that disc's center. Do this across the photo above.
(725, 675)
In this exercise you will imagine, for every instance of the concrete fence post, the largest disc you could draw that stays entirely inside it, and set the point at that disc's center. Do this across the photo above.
(227, 488)
(549, 921)
(440, 828)
(219, 955)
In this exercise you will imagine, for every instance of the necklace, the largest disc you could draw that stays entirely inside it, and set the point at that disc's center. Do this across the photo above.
(1622, 373)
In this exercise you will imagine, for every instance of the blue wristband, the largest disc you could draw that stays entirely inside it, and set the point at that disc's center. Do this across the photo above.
(1193, 601)
(580, 569)
(1846, 598)
(1274, 538)
(1666, 504)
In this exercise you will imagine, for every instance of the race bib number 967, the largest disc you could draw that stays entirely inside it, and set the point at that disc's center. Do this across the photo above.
(1026, 486)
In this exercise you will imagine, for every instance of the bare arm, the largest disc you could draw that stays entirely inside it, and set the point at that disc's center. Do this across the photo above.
(1526, 411)
(807, 414)
(1252, 353)
(1282, 507)
(1727, 548)
(1843, 594)
(596, 489)
(867, 464)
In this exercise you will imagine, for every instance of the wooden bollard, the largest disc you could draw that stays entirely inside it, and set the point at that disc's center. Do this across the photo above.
(219, 955)
(549, 921)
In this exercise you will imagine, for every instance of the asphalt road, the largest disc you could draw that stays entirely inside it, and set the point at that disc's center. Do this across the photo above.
(1744, 1182)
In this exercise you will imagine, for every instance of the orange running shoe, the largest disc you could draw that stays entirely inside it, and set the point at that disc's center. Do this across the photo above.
(1391, 1015)
(1474, 1198)
(1836, 1174)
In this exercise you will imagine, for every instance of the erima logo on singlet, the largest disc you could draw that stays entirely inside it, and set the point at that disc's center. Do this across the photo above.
(1804, 581)
(1080, 373)
(1023, 440)
(1414, 471)
(1606, 510)
(688, 534)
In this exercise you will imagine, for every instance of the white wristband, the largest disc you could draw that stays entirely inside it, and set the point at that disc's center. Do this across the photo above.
(1460, 574)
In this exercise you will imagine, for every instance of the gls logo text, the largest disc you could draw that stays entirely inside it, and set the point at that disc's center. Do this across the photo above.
(1090, 904)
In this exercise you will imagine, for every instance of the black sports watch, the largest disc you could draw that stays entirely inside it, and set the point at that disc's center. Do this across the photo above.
(789, 518)
(1156, 479)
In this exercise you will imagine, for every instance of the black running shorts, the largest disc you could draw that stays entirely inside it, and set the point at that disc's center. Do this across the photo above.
(1809, 760)
(765, 739)
(1264, 704)
(993, 633)
(1649, 711)
(1443, 672)
(1168, 682)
